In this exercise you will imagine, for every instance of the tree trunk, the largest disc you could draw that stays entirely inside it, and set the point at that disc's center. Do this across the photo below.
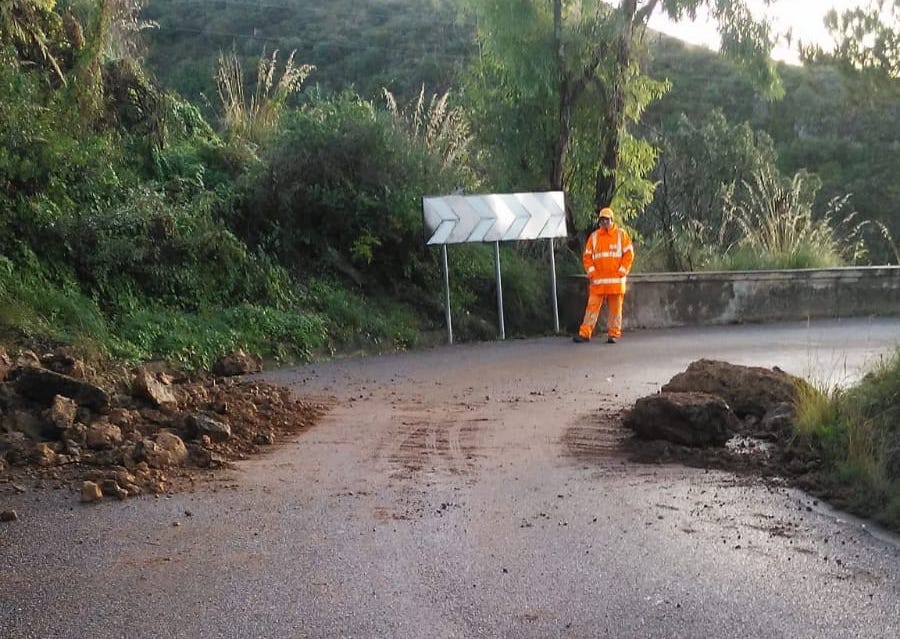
(564, 130)
(561, 150)
(614, 119)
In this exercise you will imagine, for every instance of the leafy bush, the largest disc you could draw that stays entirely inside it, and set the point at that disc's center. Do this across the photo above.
(149, 247)
(342, 188)
(355, 320)
(38, 309)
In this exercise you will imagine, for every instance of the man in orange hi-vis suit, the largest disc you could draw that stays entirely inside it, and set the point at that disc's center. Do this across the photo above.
(608, 256)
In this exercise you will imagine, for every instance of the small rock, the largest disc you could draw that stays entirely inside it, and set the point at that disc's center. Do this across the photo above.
(122, 417)
(110, 487)
(152, 454)
(203, 426)
(63, 363)
(264, 439)
(44, 455)
(27, 359)
(90, 492)
(237, 363)
(173, 445)
(8, 515)
(101, 435)
(149, 387)
(62, 412)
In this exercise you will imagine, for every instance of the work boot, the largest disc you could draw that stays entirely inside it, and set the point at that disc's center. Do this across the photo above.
(579, 339)
(611, 340)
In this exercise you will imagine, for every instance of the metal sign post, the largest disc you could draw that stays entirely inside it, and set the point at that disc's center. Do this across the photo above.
(499, 289)
(447, 295)
(552, 288)
(506, 217)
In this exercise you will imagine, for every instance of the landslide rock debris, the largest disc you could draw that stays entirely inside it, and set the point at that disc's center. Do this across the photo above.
(143, 431)
(711, 401)
(722, 414)
(748, 390)
(691, 419)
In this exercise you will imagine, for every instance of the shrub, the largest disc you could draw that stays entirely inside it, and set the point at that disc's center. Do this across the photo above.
(342, 189)
(355, 320)
(856, 433)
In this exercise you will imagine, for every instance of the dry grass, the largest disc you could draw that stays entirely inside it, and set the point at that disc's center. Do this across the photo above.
(255, 119)
(778, 228)
(441, 128)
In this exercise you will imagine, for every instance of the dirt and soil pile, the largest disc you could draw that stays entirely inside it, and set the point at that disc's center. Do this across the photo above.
(723, 415)
(141, 431)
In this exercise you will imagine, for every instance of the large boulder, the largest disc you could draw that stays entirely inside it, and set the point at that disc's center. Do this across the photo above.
(42, 385)
(748, 390)
(689, 419)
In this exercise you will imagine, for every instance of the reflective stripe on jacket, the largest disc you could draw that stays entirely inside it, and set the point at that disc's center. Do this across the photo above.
(608, 255)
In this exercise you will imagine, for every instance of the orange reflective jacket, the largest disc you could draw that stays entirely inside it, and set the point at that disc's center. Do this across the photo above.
(608, 255)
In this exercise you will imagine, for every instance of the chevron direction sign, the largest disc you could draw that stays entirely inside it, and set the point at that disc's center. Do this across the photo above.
(455, 219)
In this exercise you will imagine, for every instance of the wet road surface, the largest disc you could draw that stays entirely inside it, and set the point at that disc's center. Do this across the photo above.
(473, 491)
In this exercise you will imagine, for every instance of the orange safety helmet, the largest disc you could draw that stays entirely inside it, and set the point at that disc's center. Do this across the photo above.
(606, 212)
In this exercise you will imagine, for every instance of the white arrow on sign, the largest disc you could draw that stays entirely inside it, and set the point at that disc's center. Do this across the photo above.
(456, 219)
(440, 220)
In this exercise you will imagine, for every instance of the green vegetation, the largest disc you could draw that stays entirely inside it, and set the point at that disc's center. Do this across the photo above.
(855, 433)
(133, 230)
(832, 122)
(842, 127)
(269, 198)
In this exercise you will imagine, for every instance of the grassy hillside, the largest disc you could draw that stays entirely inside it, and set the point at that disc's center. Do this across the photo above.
(359, 44)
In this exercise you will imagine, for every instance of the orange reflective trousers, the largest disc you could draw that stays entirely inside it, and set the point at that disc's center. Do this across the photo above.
(614, 303)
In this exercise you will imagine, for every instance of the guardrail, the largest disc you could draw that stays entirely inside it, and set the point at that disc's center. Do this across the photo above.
(660, 300)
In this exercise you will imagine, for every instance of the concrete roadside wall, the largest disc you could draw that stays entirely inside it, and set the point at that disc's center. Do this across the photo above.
(659, 300)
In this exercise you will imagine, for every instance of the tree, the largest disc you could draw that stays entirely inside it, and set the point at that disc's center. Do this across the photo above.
(866, 39)
(702, 164)
(576, 48)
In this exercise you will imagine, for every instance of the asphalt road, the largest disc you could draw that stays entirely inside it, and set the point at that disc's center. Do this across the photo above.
(473, 491)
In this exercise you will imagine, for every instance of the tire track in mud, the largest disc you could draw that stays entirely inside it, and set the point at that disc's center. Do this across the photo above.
(433, 439)
(598, 437)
